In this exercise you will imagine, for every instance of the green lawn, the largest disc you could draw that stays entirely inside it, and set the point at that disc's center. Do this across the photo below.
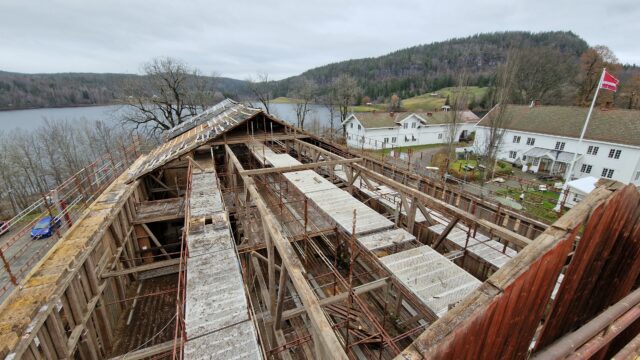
(285, 100)
(538, 204)
(369, 108)
(458, 167)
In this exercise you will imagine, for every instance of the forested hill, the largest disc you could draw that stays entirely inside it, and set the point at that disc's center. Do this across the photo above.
(425, 68)
(20, 91)
(406, 73)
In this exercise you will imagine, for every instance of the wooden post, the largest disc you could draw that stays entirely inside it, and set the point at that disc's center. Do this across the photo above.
(280, 303)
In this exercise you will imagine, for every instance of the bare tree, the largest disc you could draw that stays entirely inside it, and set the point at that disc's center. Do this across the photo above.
(329, 102)
(261, 88)
(591, 63)
(498, 118)
(395, 104)
(304, 91)
(458, 101)
(169, 93)
(542, 74)
(346, 92)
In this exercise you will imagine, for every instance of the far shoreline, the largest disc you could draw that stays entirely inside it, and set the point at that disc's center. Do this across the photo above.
(60, 106)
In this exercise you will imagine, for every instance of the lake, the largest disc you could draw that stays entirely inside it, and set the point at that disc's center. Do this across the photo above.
(32, 118)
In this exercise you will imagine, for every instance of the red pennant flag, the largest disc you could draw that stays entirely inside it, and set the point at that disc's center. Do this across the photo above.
(609, 82)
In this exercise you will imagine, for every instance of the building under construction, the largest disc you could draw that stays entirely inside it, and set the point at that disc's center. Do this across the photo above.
(243, 237)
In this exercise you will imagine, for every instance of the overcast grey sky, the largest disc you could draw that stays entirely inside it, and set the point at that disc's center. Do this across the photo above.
(238, 38)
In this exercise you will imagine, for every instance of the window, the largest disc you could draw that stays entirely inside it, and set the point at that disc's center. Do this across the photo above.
(359, 127)
(405, 125)
(559, 145)
(613, 153)
(608, 173)
(585, 169)
(386, 140)
(512, 154)
(413, 125)
(531, 141)
(536, 161)
(637, 175)
(413, 138)
(348, 137)
(439, 136)
(393, 139)
(592, 150)
(352, 125)
(516, 139)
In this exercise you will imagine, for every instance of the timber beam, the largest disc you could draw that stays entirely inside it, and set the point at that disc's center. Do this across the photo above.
(357, 290)
(501, 232)
(141, 268)
(284, 169)
(324, 337)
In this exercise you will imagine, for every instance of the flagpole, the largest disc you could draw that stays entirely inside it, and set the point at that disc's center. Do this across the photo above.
(575, 154)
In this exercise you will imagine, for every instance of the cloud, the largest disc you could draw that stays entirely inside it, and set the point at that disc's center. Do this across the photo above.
(284, 38)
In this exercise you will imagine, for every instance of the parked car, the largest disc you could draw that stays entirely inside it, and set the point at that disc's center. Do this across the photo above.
(45, 227)
(4, 226)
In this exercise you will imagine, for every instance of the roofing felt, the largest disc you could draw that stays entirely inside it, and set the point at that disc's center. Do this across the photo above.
(217, 125)
(372, 120)
(206, 115)
(612, 125)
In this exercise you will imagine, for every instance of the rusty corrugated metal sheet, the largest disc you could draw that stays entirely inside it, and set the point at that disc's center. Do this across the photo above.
(603, 270)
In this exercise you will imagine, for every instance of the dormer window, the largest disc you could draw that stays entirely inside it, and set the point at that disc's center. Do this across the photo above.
(405, 125)
(413, 125)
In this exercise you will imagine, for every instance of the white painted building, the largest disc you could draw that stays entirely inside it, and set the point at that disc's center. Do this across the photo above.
(579, 189)
(545, 138)
(375, 130)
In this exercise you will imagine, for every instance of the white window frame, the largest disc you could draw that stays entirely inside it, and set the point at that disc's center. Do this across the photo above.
(560, 145)
(607, 173)
(513, 154)
(531, 141)
(615, 153)
(516, 139)
(593, 150)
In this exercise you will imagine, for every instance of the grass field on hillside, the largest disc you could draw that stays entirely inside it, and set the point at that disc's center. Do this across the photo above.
(285, 100)
(424, 102)
(428, 102)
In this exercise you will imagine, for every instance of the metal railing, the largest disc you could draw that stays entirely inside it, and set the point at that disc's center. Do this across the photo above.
(65, 204)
